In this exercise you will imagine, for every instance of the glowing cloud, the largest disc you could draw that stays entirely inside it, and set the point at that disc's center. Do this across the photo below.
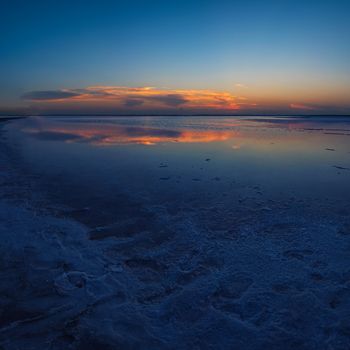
(136, 98)
(302, 106)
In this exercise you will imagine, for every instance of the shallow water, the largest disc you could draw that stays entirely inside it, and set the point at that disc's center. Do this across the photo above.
(198, 233)
(167, 157)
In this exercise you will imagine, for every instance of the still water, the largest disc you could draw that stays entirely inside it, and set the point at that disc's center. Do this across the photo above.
(232, 232)
(172, 159)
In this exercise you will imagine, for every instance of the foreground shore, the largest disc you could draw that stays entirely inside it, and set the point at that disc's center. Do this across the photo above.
(277, 279)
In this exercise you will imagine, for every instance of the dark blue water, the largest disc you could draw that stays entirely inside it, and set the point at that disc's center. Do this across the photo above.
(199, 232)
(165, 156)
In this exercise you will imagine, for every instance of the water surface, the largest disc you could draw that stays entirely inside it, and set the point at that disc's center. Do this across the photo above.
(173, 158)
(198, 232)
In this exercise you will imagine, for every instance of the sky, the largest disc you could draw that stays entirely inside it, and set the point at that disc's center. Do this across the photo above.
(174, 57)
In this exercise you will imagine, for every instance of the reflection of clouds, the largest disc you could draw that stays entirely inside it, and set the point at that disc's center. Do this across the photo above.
(104, 135)
(265, 134)
(53, 135)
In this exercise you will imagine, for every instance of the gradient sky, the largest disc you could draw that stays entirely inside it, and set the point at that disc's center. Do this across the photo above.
(175, 57)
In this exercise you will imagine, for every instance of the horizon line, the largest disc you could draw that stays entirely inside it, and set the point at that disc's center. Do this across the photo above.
(172, 115)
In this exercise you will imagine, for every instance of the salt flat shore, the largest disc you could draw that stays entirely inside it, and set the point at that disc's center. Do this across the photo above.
(278, 279)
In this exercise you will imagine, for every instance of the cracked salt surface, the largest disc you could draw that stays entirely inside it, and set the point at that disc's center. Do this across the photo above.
(103, 260)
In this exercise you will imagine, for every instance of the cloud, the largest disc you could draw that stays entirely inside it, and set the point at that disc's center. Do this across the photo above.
(130, 102)
(302, 106)
(241, 86)
(49, 95)
(149, 100)
(172, 100)
(122, 99)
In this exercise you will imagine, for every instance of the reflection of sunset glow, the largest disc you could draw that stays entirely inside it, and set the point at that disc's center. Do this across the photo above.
(264, 134)
(117, 135)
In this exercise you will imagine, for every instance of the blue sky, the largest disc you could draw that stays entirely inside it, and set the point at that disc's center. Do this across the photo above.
(272, 54)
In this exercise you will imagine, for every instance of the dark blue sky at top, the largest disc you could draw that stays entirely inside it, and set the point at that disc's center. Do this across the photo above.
(177, 44)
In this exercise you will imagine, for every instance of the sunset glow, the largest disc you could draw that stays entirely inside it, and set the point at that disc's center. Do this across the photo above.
(175, 174)
(176, 58)
(136, 99)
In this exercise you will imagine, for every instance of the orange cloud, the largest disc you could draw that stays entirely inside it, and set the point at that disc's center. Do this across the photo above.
(138, 98)
(302, 106)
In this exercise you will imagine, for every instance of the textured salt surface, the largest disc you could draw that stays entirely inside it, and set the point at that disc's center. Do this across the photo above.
(242, 274)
